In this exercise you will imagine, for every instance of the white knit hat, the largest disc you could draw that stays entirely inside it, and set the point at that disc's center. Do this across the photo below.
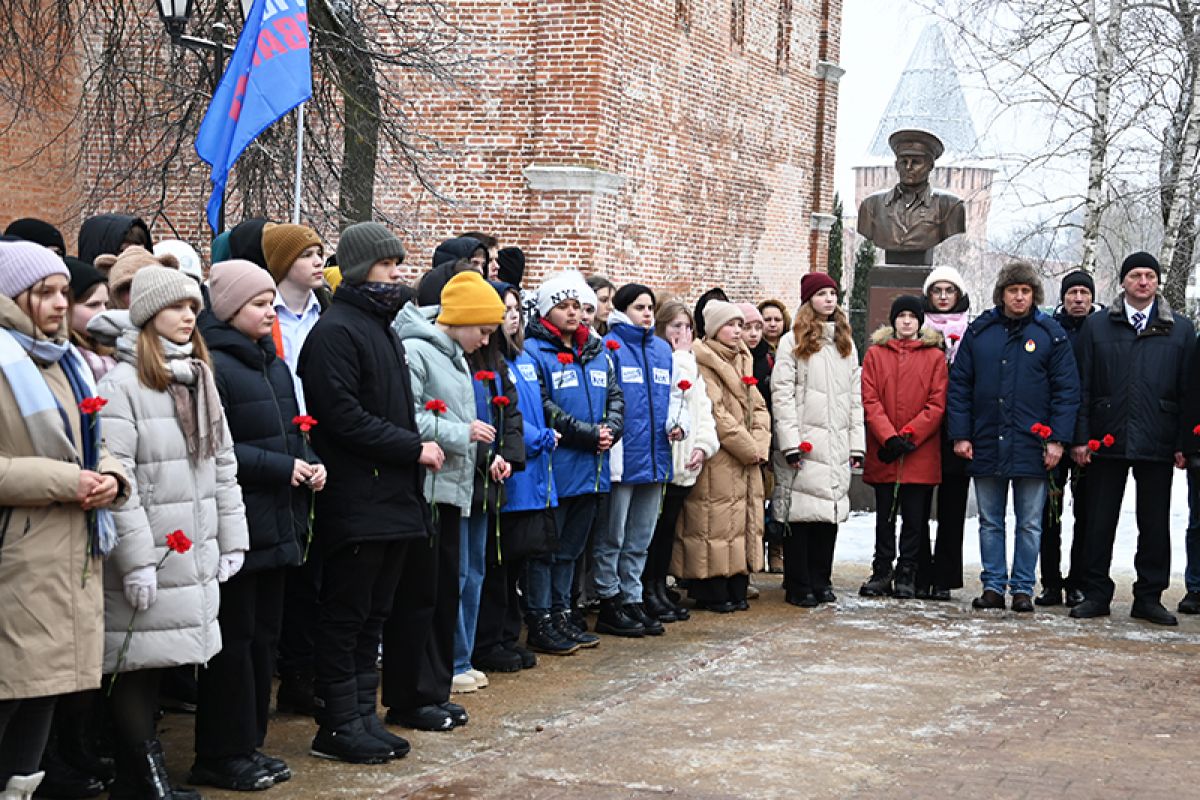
(185, 254)
(569, 285)
(156, 288)
(947, 274)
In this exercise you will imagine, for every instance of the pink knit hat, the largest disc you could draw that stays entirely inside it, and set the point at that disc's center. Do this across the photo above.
(750, 312)
(232, 284)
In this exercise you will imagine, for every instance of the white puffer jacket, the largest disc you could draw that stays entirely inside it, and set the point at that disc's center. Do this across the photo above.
(815, 400)
(703, 432)
(168, 492)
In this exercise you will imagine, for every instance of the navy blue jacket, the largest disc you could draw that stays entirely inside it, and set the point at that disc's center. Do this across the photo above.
(642, 364)
(1134, 384)
(1009, 375)
(578, 397)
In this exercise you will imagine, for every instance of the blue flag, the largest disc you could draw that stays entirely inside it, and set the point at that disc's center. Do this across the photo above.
(269, 74)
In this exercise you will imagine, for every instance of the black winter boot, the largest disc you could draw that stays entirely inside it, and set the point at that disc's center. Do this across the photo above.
(295, 695)
(566, 626)
(905, 587)
(650, 625)
(616, 620)
(142, 775)
(544, 637)
(368, 688)
(664, 597)
(62, 780)
(878, 585)
(342, 735)
(655, 608)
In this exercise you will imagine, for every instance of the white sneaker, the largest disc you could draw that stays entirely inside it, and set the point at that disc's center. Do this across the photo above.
(481, 680)
(463, 683)
(21, 787)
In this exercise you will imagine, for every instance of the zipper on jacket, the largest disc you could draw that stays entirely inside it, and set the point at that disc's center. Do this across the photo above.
(283, 430)
(650, 399)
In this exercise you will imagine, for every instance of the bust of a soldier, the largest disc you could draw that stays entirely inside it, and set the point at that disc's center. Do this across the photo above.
(912, 217)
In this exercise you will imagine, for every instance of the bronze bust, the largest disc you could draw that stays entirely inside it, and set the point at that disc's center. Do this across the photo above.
(911, 218)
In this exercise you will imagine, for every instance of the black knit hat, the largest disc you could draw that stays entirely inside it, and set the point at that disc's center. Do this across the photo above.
(907, 302)
(1140, 260)
(628, 293)
(1077, 278)
(37, 231)
(511, 265)
(83, 276)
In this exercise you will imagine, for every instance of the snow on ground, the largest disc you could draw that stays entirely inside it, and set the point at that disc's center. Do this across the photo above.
(856, 538)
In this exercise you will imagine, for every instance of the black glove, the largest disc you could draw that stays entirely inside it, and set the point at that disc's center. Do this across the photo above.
(890, 451)
(906, 445)
(793, 458)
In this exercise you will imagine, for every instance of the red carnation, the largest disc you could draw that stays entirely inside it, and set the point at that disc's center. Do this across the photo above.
(436, 406)
(1093, 445)
(179, 542)
(1196, 431)
(566, 358)
(612, 344)
(1109, 440)
(91, 405)
(954, 337)
(806, 447)
(750, 381)
(305, 422)
(500, 400)
(684, 385)
(485, 375)
(1045, 432)
(907, 430)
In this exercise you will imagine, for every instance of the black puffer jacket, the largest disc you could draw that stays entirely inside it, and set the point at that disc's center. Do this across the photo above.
(1134, 384)
(104, 233)
(357, 385)
(260, 403)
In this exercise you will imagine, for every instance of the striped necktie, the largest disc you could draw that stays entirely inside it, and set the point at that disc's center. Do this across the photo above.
(1138, 320)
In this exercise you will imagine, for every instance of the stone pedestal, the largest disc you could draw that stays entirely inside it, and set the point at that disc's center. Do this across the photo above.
(889, 281)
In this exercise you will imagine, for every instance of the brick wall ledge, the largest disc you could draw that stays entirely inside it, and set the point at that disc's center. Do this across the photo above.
(549, 178)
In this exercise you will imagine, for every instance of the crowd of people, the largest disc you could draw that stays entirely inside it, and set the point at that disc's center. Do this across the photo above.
(296, 465)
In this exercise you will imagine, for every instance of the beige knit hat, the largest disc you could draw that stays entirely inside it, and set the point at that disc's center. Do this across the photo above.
(718, 314)
(232, 284)
(155, 288)
(121, 268)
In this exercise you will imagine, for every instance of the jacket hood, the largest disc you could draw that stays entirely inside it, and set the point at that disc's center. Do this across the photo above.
(589, 347)
(417, 322)
(104, 233)
(630, 331)
(928, 337)
(245, 241)
(429, 293)
(452, 250)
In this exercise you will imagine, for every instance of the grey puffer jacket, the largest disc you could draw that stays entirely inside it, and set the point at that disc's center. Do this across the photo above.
(168, 492)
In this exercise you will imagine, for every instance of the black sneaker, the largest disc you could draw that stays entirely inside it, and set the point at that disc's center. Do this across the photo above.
(528, 659)
(497, 659)
(878, 585)
(1090, 609)
(905, 586)
(278, 768)
(456, 712)
(236, 773)
(806, 600)
(826, 595)
(424, 718)
(1190, 604)
(1050, 596)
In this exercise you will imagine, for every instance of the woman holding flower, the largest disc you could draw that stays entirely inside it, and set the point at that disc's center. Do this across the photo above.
(719, 536)
(815, 395)
(904, 399)
(55, 476)
(278, 475)
(165, 423)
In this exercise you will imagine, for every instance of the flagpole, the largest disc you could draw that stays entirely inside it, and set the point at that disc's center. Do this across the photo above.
(299, 162)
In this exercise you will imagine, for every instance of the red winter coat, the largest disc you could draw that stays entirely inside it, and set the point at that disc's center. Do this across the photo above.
(904, 383)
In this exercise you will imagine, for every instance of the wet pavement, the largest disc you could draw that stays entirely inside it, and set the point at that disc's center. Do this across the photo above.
(863, 698)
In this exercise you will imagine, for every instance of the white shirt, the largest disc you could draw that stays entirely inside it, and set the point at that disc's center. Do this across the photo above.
(294, 329)
(1130, 311)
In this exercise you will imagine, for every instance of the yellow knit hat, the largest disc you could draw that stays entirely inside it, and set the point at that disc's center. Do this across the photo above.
(333, 277)
(283, 244)
(467, 299)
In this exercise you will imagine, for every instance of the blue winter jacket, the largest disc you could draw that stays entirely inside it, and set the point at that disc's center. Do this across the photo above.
(578, 397)
(642, 364)
(1009, 375)
(532, 488)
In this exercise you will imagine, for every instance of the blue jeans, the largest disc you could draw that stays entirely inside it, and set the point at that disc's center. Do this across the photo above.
(471, 567)
(1191, 575)
(548, 579)
(1029, 496)
(620, 549)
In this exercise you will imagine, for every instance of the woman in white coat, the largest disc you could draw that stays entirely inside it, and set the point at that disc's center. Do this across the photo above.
(165, 424)
(819, 432)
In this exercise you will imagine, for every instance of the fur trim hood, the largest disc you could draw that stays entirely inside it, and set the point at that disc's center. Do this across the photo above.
(929, 337)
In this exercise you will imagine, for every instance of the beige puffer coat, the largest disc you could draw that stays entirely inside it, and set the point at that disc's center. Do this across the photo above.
(702, 434)
(169, 492)
(719, 533)
(51, 622)
(816, 400)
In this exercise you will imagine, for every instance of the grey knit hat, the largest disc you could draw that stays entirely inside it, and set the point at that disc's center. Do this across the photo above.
(155, 288)
(363, 244)
(22, 264)
(1018, 273)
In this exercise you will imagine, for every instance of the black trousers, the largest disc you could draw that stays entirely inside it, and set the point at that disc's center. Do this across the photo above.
(808, 557)
(234, 690)
(301, 607)
(713, 591)
(357, 586)
(585, 564)
(418, 638)
(24, 729)
(951, 517)
(1051, 549)
(1106, 488)
(500, 615)
(912, 506)
(658, 558)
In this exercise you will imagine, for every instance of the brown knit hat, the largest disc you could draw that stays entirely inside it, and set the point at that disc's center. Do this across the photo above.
(283, 244)
(121, 268)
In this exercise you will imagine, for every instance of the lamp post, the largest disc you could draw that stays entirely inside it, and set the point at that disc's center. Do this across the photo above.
(175, 15)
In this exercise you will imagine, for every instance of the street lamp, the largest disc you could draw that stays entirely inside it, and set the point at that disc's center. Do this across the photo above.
(175, 15)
